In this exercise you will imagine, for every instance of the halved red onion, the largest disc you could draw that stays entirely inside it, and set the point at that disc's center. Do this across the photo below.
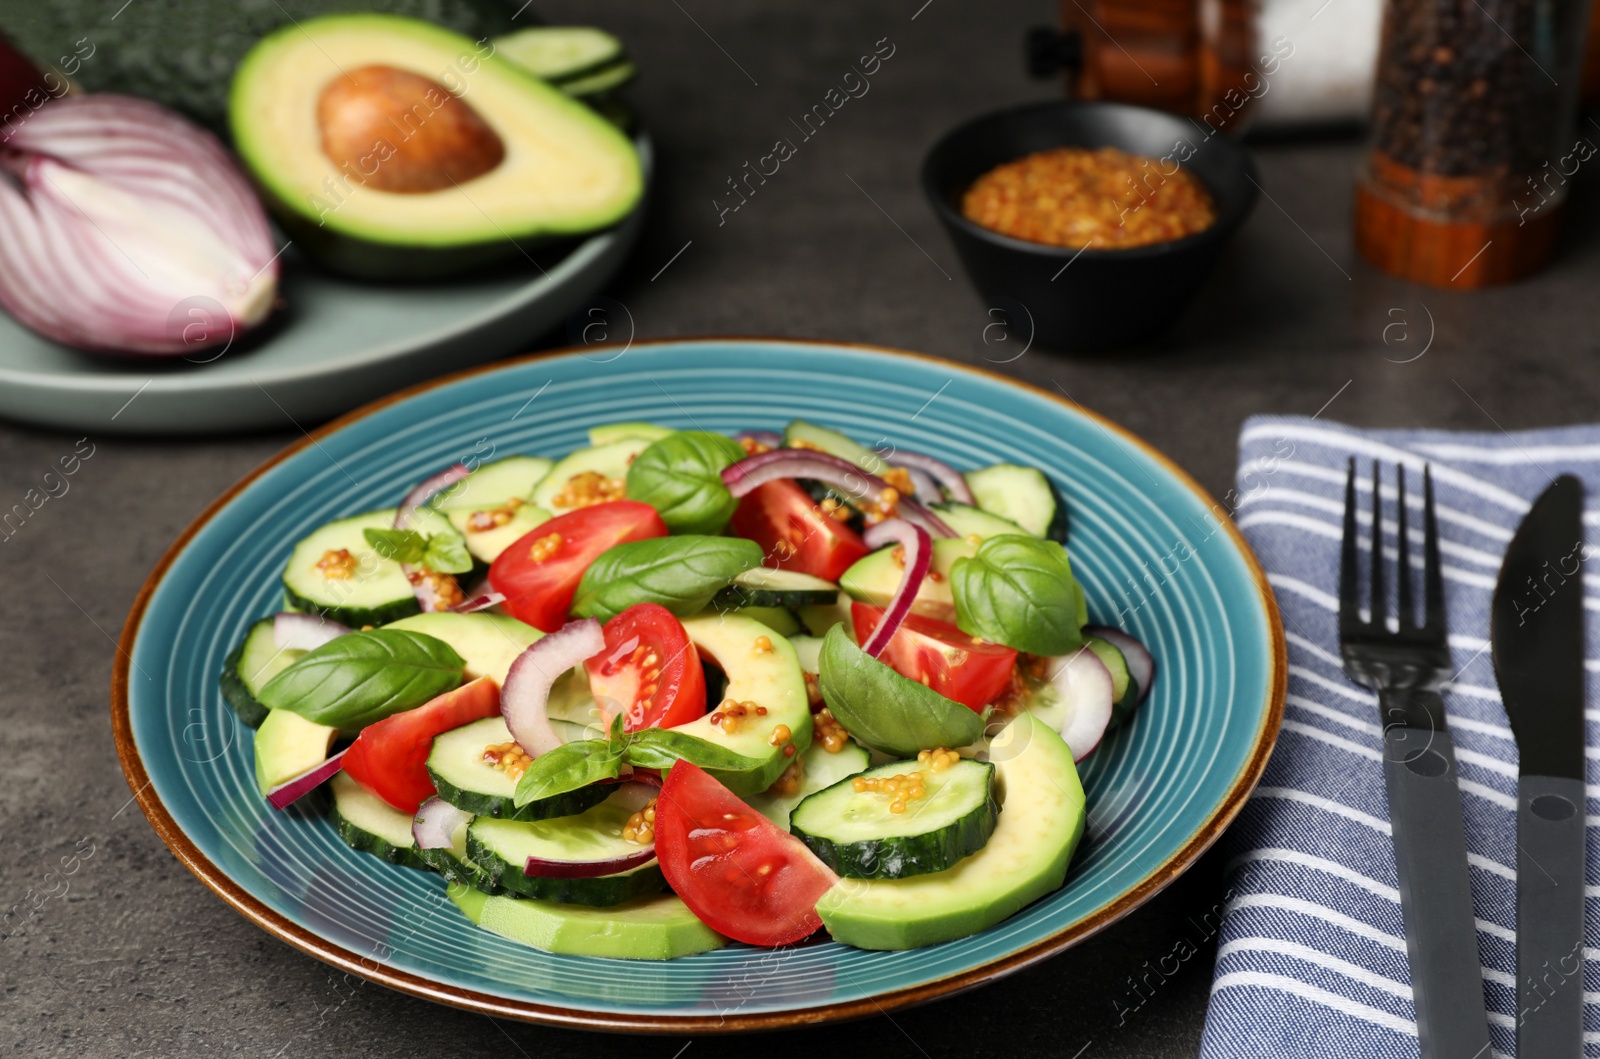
(919, 553)
(291, 791)
(540, 868)
(743, 477)
(479, 601)
(947, 476)
(435, 591)
(525, 696)
(1086, 689)
(1141, 663)
(304, 632)
(436, 821)
(126, 229)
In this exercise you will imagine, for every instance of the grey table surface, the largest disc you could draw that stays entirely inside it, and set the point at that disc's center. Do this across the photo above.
(132, 956)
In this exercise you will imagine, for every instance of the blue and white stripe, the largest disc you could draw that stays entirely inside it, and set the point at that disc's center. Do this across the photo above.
(1311, 958)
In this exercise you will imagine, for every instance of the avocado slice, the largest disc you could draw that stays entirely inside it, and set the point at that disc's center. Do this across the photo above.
(1041, 820)
(659, 927)
(874, 578)
(286, 745)
(391, 148)
(488, 643)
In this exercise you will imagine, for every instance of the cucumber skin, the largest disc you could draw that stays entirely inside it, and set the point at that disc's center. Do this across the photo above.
(251, 712)
(463, 873)
(735, 597)
(569, 804)
(366, 842)
(355, 617)
(597, 892)
(902, 857)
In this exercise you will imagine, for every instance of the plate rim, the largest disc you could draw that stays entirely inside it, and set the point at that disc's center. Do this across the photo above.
(253, 909)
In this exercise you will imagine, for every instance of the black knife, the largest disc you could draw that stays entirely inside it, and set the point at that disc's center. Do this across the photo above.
(1536, 629)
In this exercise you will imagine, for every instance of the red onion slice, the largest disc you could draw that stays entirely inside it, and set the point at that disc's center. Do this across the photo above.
(539, 868)
(291, 791)
(304, 632)
(923, 485)
(636, 791)
(947, 476)
(1085, 684)
(1141, 663)
(434, 591)
(436, 822)
(479, 601)
(743, 477)
(919, 554)
(525, 696)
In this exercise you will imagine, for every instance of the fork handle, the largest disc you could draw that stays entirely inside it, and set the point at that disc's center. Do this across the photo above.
(1550, 876)
(1430, 853)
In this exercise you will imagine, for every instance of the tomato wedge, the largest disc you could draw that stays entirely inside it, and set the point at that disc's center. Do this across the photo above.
(795, 533)
(539, 574)
(649, 670)
(940, 655)
(390, 758)
(734, 868)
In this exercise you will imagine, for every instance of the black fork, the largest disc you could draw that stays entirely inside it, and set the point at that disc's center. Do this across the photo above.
(1406, 666)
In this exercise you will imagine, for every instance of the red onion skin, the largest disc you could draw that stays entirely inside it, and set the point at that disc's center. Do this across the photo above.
(743, 477)
(290, 791)
(950, 479)
(919, 555)
(479, 601)
(526, 694)
(539, 868)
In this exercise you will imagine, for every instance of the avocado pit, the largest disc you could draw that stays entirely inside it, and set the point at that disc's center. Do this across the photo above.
(398, 131)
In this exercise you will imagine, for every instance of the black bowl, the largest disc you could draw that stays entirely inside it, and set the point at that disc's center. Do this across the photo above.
(1087, 299)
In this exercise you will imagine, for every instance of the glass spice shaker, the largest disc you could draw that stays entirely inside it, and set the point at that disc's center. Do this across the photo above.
(1473, 138)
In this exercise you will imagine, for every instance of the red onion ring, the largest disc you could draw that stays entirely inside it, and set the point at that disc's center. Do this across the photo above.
(479, 601)
(950, 479)
(436, 821)
(919, 554)
(525, 696)
(292, 790)
(743, 477)
(304, 632)
(539, 868)
(923, 485)
(426, 588)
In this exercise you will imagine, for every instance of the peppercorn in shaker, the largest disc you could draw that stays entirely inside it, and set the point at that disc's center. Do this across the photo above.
(1472, 138)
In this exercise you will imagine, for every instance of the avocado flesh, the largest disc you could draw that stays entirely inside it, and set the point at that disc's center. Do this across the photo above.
(566, 171)
(286, 745)
(1041, 820)
(487, 643)
(659, 927)
(874, 578)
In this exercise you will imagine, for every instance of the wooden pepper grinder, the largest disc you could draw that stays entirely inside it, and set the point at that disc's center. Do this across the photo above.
(1473, 138)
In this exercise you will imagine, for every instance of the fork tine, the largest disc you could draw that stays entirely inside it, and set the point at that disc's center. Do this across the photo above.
(1380, 598)
(1349, 601)
(1433, 586)
(1403, 551)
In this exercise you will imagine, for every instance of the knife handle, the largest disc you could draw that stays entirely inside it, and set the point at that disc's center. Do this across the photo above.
(1550, 877)
(1430, 853)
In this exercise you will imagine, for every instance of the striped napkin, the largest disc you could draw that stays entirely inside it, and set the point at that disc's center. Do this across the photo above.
(1311, 956)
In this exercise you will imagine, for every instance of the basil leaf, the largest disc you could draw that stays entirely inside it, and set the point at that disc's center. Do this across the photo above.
(884, 709)
(1018, 591)
(447, 553)
(681, 477)
(659, 748)
(568, 767)
(364, 677)
(397, 545)
(680, 573)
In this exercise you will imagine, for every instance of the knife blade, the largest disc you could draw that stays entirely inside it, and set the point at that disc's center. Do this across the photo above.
(1537, 641)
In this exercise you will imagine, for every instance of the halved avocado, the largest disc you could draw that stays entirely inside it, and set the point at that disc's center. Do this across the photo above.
(391, 148)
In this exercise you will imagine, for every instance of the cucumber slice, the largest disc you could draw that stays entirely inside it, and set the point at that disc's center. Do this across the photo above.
(611, 432)
(502, 847)
(609, 461)
(808, 649)
(820, 769)
(453, 863)
(375, 592)
(494, 483)
(485, 545)
(855, 833)
(468, 782)
(1022, 495)
(1117, 665)
(818, 618)
(605, 80)
(967, 520)
(801, 434)
(781, 621)
(555, 53)
(762, 586)
(371, 825)
(659, 927)
(255, 661)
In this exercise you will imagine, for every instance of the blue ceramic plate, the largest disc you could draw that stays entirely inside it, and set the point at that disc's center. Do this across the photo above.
(1160, 790)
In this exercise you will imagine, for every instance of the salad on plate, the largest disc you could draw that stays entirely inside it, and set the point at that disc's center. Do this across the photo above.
(679, 689)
